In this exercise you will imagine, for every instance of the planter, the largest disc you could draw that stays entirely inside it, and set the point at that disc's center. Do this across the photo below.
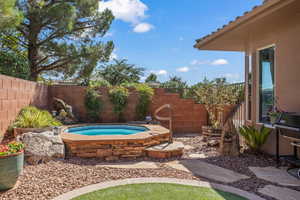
(20, 131)
(209, 131)
(10, 168)
(227, 140)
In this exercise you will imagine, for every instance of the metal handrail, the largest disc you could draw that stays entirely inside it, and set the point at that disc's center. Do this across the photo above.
(166, 118)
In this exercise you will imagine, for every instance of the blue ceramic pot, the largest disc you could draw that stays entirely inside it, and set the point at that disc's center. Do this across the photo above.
(10, 169)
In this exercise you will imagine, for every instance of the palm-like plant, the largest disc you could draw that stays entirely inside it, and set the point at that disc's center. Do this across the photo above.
(31, 117)
(254, 137)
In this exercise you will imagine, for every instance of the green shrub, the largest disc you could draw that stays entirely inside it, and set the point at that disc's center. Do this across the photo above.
(99, 83)
(93, 104)
(254, 137)
(118, 96)
(32, 117)
(145, 98)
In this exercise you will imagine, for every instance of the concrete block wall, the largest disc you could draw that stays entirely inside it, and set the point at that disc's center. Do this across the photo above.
(188, 116)
(14, 95)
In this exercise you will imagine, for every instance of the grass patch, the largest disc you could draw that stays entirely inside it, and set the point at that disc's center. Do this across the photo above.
(159, 191)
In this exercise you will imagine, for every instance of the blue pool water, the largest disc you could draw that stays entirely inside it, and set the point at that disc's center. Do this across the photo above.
(107, 130)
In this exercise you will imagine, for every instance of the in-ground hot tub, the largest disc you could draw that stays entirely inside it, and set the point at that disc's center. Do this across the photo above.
(107, 130)
(112, 141)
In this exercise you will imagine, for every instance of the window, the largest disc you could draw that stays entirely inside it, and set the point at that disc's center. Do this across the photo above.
(266, 84)
(249, 89)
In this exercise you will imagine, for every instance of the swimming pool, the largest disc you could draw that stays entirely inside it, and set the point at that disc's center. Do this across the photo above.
(107, 130)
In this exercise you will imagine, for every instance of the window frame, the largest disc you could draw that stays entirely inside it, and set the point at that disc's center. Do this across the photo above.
(258, 71)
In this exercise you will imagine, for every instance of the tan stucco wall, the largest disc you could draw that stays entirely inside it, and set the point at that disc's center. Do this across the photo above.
(284, 33)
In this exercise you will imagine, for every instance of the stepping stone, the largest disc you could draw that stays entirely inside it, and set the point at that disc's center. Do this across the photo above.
(275, 175)
(176, 165)
(188, 147)
(165, 150)
(132, 165)
(280, 193)
(196, 155)
(208, 171)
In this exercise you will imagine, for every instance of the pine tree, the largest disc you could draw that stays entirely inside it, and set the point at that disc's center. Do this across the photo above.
(63, 36)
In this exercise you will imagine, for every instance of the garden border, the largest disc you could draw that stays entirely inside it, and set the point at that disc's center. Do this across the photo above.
(109, 184)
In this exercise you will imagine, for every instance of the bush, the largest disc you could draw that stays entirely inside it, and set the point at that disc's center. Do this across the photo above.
(215, 94)
(118, 96)
(145, 98)
(99, 83)
(254, 137)
(32, 117)
(93, 104)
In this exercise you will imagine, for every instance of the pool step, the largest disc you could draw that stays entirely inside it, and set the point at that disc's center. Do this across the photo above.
(165, 150)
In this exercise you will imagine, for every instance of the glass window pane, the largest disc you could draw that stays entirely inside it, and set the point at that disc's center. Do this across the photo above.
(266, 85)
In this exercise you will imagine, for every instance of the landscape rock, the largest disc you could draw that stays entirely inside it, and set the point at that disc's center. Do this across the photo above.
(64, 112)
(213, 143)
(42, 147)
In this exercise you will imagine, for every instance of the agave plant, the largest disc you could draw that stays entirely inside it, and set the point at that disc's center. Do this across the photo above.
(32, 117)
(254, 137)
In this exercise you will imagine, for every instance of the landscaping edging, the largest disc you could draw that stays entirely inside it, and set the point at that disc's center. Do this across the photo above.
(104, 185)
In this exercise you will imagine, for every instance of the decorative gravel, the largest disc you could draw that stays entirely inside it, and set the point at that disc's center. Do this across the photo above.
(46, 181)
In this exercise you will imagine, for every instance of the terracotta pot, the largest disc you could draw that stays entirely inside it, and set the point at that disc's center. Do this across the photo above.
(11, 167)
(209, 131)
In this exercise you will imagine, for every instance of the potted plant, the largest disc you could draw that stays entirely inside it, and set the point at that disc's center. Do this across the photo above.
(274, 115)
(11, 164)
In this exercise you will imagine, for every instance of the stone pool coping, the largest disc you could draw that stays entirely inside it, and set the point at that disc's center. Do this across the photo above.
(154, 130)
(104, 185)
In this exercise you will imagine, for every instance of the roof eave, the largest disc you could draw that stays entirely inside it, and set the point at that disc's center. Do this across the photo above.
(256, 11)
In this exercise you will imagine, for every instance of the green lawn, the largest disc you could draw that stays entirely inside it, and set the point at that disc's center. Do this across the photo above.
(157, 191)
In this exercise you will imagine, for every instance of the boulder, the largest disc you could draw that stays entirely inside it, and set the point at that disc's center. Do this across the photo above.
(42, 147)
(64, 111)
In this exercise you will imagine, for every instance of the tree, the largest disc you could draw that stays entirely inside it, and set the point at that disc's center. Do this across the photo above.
(9, 15)
(175, 84)
(152, 78)
(121, 72)
(12, 64)
(63, 36)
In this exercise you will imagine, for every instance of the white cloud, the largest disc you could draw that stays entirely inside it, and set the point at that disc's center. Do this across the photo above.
(216, 62)
(220, 62)
(159, 72)
(183, 69)
(132, 11)
(199, 62)
(143, 27)
(162, 72)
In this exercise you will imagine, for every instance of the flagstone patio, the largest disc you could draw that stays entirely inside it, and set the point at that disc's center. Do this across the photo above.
(275, 175)
(280, 193)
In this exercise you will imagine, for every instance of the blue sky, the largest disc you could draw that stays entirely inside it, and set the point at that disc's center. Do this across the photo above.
(159, 35)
